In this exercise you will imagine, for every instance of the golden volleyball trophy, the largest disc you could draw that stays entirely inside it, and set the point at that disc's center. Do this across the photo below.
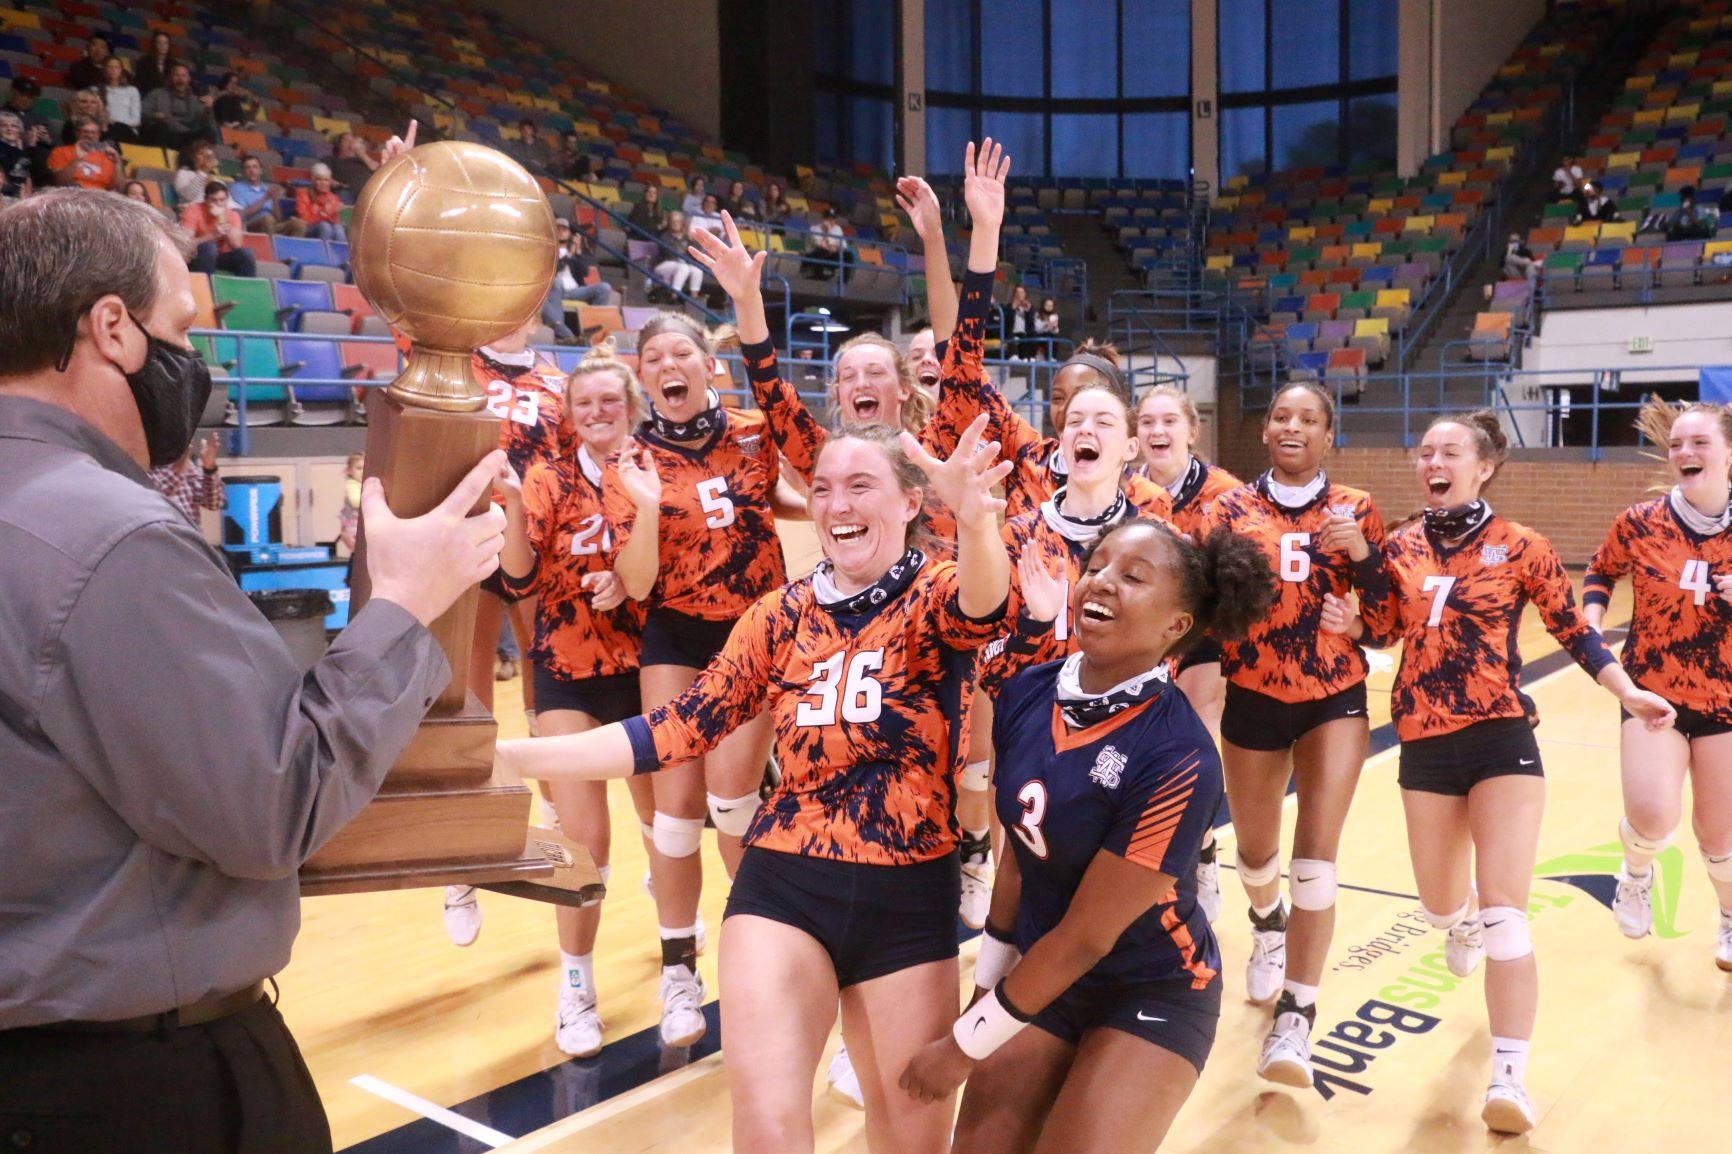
(453, 245)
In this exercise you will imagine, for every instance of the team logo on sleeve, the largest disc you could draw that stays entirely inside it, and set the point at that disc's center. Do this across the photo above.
(750, 443)
(1493, 554)
(1343, 511)
(1109, 768)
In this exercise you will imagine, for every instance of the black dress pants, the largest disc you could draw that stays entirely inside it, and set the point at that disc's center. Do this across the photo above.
(233, 1086)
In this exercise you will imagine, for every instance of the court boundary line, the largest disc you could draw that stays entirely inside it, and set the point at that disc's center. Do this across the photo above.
(450, 1119)
(595, 1115)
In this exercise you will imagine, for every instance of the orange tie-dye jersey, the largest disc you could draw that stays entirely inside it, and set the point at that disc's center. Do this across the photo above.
(530, 405)
(1680, 642)
(1457, 612)
(1187, 512)
(870, 710)
(562, 503)
(718, 551)
(800, 436)
(1287, 655)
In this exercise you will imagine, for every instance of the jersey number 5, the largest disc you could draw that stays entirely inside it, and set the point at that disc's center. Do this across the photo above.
(1033, 799)
(1694, 579)
(861, 698)
(718, 506)
(1295, 561)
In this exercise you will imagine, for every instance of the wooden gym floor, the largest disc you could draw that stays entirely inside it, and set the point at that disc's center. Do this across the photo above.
(422, 1048)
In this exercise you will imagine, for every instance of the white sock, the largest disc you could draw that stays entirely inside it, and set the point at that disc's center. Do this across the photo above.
(1637, 873)
(1509, 1059)
(1265, 911)
(669, 933)
(1302, 994)
(579, 974)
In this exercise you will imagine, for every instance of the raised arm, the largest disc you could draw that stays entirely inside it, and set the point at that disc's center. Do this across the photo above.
(920, 203)
(964, 483)
(739, 271)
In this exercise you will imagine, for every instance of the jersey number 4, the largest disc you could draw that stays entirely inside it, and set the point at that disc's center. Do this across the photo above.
(1694, 579)
(718, 506)
(859, 696)
(1033, 799)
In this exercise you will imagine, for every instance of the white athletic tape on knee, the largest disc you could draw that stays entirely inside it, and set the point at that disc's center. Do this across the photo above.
(1636, 843)
(1506, 933)
(677, 836)
(976, 776)
(1719, 868)
(1450, 920)
(1311, 883)
(733, 815)
(1258, 875)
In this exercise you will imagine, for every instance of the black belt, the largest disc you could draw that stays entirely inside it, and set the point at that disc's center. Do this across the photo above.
(196, 1014)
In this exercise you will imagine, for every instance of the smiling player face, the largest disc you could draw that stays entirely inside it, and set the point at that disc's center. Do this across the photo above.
(868, 386)
(1126, 603)
(1097, 438)
(1297, 434)
(860, 511)
(1450, 468)
(1700, 458)
(676, 371)
(1166, 435)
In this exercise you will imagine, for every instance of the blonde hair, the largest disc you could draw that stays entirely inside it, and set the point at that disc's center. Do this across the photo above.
(720, 339)
(1655, 421)
(916, 406)
(1186, 405)
(603, 358)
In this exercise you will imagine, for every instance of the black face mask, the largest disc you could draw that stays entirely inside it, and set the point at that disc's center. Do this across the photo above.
(170, 389)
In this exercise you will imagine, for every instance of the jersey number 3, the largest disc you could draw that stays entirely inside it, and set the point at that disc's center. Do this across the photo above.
(860, 697)
(1033, 799)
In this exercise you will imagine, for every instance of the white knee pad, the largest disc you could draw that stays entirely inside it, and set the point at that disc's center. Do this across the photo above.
(648, 831)
(976, 776)
(1719, 868)
(677, 836)
(733, 815)
(1311, 883)
(1506, 933)
(1448, 921)
(1636, 843)
(1258, 875)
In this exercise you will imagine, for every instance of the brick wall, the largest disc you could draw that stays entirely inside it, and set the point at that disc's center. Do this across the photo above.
(1569, 499)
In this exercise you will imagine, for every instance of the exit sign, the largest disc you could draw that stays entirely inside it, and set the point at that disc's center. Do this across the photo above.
(1641, 344)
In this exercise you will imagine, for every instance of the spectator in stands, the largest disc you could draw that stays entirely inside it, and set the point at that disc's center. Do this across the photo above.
(694, 200)
(256, 201)
(573, 159)
(1019, 326)
(1601, 207)
(198, 163)
(826, 242)
(1046, 325)
(708, 217)
(89, 161)
(137, 190)
(216, 229)
(739, 202)
(120, 96)
(570, 277)
(150, 71)
(676, 269)
(320, 209)
(16, 181)
(21, 100)
(776, 206)
(85, 103)
(648, 213)
(174, 114)
(1567, 182)
(233, 105)
(190, 487)
(1518, 259)
(351, 164)
(1689, 222)
(532, 152)
(88, 70)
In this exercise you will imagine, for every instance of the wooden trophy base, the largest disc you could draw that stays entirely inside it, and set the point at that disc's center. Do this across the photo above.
(440, 818)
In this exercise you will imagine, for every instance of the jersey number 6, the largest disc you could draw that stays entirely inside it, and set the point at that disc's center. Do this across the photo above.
(1033, 799)
(1295, 561)
(718, 506)
(861, 698)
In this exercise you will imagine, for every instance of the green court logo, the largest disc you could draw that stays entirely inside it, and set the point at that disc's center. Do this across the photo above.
(1595, 872)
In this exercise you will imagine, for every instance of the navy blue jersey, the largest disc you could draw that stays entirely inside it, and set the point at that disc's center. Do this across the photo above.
(1144, 785)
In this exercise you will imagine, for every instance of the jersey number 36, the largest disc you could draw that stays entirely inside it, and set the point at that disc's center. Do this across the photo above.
(858, 697)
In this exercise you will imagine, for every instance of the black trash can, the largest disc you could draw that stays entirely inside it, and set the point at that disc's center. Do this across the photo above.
(299, 616)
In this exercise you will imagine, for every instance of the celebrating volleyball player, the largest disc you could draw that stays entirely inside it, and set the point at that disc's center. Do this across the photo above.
(1167, 432)
(848, 887)
(697, 560)
(1295, 710)
(1107, 781)
(1677, 551)
(1452, 589)
(527, 394)
(587, 637)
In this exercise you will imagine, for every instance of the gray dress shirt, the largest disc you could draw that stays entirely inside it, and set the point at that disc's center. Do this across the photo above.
(165, 767)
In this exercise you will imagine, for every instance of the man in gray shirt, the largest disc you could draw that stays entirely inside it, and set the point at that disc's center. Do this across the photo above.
(165, 766)
(175, 114)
